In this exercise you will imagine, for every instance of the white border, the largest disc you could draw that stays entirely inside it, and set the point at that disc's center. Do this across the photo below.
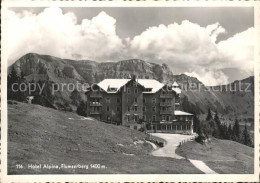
(127, 177)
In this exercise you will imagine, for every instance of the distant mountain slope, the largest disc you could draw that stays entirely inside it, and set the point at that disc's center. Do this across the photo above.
(198, 99)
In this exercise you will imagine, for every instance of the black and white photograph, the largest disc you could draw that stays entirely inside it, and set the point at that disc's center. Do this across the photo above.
(134, 90)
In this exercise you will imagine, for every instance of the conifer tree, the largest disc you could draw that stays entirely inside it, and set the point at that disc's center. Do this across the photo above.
(82, 109)
(218, 129)
(246, 137)
(13, 78)
(195, 123)
(229, 132)
(236, 131)
(209, 116)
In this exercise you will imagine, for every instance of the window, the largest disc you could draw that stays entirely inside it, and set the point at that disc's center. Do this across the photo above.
(128, 108)
(144, 108)
(127, 118)
(154, 100)
(108, 100)
(118, 100)
(117, 108)
(136, 118)
(135, 108)
(128, 99)
(136, 90)
(154, 118)
(108, 118)
(144, 117)
(173, 127)
(144, 100)
(167, 118)
(135, 100)
(183, 127)
(107, 108)
(135, 127)
(154, 109)
(163, 127)
(163, 118)
(128, 90)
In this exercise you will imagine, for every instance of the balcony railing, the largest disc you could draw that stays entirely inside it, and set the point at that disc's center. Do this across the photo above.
(95, 112)
(95, 95)
(165, 112)
(166, 96)
(95, 104)
(165, 104)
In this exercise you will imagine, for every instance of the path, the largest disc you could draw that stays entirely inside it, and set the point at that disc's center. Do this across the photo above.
(173, 141)
(202, 166)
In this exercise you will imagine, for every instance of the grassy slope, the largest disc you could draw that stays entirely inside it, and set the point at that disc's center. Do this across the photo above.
(223, 156)
(41, 135)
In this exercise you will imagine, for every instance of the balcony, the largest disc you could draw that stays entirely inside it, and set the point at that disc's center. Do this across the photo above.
(95, 95)
(166, 96)
(177, 100)
(95, 112)
(165, 104)
(95, 104)
(166, 112)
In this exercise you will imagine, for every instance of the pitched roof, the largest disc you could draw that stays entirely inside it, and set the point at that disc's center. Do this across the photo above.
(182, 113)
(175, 83)
(112, 83)
(116, 84)
(177, 90)
(150, 83)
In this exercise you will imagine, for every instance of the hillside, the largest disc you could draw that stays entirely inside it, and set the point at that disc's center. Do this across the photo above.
(223, 156)
(194, 99)
(40, 135)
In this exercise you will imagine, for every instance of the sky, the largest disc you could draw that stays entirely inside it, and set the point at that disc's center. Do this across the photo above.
(216, 45)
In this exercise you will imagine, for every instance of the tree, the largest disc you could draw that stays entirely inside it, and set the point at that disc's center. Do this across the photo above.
(12, 78)
(216, 119)
(246, 137)
(201, 137)
(75, 97)
(236, 131)
(16, 86)
(209, 116)
(229, 132)
(196, 122)
(82, 109)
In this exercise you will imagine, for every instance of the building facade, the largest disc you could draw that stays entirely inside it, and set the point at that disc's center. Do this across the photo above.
(139, 103)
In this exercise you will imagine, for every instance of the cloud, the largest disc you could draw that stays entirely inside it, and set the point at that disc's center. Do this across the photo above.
(191, 47)
(238, 51)
(209, 77)
(185, 47)
(214, 30)
(52, 32)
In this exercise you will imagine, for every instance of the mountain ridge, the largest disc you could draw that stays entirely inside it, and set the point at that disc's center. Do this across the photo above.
(194, 99)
